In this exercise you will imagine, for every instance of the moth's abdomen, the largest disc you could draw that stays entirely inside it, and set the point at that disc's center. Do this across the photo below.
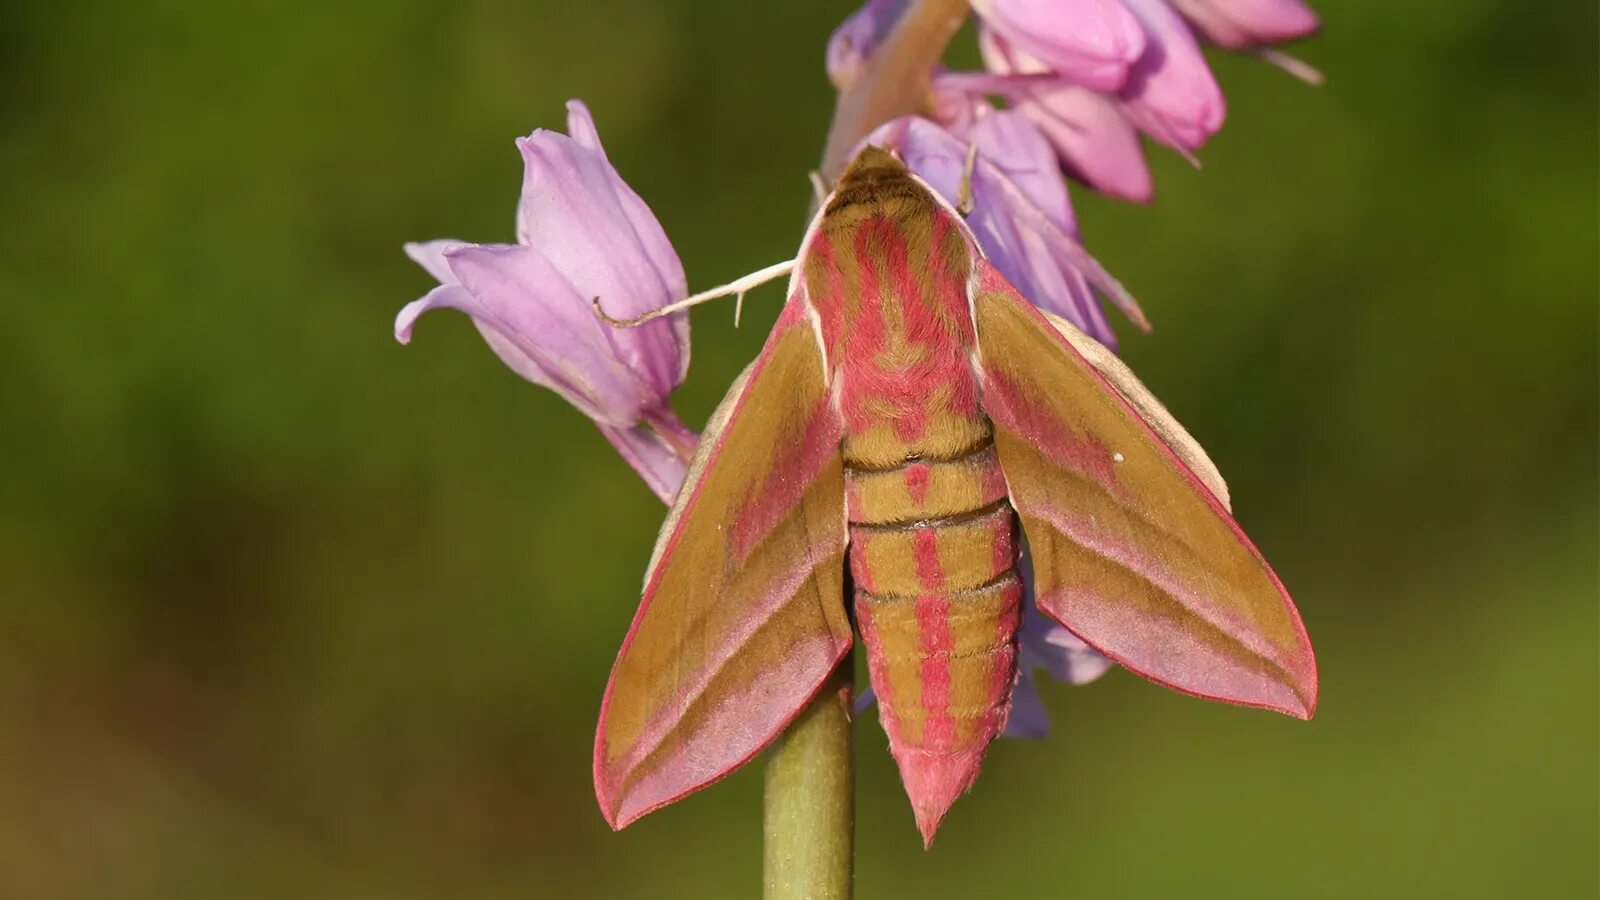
(933, 548)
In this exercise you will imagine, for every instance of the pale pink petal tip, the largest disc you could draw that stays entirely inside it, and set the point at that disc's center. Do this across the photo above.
(658, 448)
(1074, 662)
(1295, 66)
(408, 317)
(430, 255)
(580, 126)
(933, 782)
(1243, 24)
(445, 296)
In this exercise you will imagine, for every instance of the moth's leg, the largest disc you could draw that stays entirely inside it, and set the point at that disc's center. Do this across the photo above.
(964, 198)
(819, 186)
(735, 288)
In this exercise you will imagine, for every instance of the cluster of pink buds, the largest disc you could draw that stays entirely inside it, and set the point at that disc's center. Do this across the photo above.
(1091, 75)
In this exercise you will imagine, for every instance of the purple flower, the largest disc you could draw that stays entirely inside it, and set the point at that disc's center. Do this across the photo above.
(1166, 90)
(1093, 74)
(1170, 93)
(1089, 42)
(1020, 213)
(582, 233)
(1096, 142)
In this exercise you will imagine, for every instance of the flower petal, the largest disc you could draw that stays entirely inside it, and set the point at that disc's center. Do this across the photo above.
(602, 237)
(445, 296)
(651, 236)
(857, 37)
(1246, 24)
(546, 331)
(580, 126)
(430, 256)
(454, 296)
(957, 107)
(1015, 146)
(1171, 94)
(1096, 142)
(1091, 42)
(1062, 654)
(1027, 719)
(657, 455)
(1043, 643)
(863, 701)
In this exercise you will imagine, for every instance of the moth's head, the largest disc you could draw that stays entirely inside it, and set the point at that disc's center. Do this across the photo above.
(876, 180)
(873, 167)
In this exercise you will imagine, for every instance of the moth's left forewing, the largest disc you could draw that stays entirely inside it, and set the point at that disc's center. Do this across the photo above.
(1132, 551)
(742, 616)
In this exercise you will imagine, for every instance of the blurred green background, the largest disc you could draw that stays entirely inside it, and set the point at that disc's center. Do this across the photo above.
(288, 610)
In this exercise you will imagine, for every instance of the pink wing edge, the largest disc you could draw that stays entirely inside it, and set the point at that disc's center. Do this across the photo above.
(794, 314)
(992, 280)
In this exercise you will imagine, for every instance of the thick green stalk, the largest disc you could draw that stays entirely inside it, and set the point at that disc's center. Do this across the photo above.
(809, 823)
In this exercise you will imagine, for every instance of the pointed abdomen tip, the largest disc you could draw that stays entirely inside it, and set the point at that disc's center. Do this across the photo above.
(933, 782)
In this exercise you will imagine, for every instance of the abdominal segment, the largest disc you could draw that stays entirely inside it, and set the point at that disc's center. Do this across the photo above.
(933, 554)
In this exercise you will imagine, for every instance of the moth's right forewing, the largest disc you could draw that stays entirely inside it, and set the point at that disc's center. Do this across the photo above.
(1132, 550)
(743, 611)
(1153, 411)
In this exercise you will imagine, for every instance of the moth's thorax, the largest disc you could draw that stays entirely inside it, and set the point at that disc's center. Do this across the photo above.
(887, 271)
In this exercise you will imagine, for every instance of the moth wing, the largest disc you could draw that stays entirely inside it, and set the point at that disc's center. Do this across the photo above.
(1132, 550)
(1153, 411)
(743, 611)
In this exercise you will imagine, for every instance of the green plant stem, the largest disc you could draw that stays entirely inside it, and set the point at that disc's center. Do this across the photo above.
(809, 822)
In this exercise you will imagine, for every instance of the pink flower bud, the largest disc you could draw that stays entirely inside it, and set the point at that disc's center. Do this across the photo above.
(1170, 93)
(1096, 142)
(1089, 42)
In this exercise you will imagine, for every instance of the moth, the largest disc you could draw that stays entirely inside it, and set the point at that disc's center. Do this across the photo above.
(911, 420)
